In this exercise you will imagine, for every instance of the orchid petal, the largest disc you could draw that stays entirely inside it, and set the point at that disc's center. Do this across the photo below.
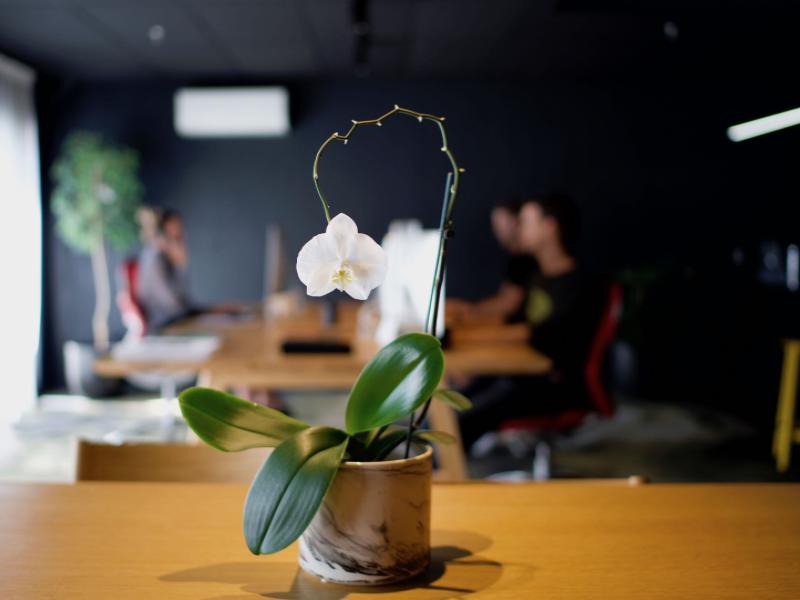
(356, 289)
(315, 263)
(369, 262)
(343, 230)
(343, 259)
(320, 282)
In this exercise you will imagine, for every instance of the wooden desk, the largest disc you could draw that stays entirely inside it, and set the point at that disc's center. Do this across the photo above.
(250, 357)
(107, 366)
(513, 541)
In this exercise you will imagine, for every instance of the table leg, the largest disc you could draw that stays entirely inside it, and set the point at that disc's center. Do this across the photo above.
(787, 397)
(169, 395)
(168, 388)
(206, 379)
(452, 463)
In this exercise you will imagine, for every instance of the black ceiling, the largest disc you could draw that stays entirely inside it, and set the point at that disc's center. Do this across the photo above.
(111, 39)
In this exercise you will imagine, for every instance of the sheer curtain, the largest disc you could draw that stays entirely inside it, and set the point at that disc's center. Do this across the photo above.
(20, 240)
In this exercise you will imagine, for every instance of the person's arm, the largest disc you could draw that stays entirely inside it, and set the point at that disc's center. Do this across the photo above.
(507, 299)
(518, 332)
(496, 308)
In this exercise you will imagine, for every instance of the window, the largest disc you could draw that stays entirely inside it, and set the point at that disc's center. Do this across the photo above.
(20, 240)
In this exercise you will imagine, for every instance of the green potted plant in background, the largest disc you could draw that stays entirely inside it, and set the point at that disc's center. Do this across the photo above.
(358, 498)
(96, 195)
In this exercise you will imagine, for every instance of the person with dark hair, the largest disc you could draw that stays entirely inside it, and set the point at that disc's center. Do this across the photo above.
(163, 279)
(163, 284)
(507, 302)
(562, 309)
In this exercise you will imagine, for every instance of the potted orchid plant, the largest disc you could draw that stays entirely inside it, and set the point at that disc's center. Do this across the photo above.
(358, 498)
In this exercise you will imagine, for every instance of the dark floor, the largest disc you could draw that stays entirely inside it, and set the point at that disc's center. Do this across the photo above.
(665, 443)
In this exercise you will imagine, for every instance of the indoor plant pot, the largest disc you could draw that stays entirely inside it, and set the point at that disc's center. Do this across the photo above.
(374, 524)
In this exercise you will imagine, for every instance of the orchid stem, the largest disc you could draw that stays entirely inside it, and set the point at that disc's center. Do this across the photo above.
(445, 231)
(445, 222)
(378, 121)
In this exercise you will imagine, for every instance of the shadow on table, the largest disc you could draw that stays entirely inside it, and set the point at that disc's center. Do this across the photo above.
(456, 570)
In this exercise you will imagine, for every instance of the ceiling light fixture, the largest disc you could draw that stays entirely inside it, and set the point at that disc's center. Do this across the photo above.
(156, 34)
(751, 129)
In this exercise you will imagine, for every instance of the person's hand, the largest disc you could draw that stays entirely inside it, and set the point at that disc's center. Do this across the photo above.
(176, 252)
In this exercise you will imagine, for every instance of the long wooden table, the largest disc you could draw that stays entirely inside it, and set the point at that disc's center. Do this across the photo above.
(499, 541)
(250, 357)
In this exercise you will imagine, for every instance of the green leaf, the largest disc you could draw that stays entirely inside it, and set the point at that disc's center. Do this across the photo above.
(437, 437)
(382, 446)
(398, 379)
(288, 489)
(231, 424)
(455, 399)
(369, 436)
(356, 449)
(389, 440)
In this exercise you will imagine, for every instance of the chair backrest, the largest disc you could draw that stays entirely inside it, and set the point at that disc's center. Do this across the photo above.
(602, 340)
(166, 462)
(131, 311)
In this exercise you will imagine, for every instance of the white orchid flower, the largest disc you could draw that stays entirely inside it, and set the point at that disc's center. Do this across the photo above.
(341, 259)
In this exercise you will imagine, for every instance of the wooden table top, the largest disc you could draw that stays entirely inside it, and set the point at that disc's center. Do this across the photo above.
(250, 355)
(500, 541)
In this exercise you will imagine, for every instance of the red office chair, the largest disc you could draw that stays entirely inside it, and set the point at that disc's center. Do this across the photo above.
(129, 307)
(546, 426)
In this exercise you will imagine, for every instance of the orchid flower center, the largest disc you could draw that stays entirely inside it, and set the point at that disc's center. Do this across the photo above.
(342, 275)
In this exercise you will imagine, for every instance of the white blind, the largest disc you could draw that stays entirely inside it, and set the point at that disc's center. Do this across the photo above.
(20, 240)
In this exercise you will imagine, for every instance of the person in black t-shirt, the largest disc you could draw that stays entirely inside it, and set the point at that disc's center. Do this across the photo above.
(507, 303)
(562, 308)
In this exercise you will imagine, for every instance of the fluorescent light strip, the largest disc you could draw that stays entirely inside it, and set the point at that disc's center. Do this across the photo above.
(751, 129)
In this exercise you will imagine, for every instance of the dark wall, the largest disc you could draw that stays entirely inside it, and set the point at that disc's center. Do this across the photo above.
(656, 178)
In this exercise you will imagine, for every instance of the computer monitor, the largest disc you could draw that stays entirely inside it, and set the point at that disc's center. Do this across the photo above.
(404, 295)
(274, 260)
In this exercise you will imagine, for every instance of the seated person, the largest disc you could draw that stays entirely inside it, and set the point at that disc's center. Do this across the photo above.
(163, 283)
(562, 311)
(507, 303)
(163, 279)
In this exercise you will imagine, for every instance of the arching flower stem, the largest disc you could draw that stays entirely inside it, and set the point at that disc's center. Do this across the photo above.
(445, 222)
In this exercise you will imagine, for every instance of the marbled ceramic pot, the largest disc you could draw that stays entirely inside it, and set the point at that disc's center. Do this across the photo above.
(373, 527)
